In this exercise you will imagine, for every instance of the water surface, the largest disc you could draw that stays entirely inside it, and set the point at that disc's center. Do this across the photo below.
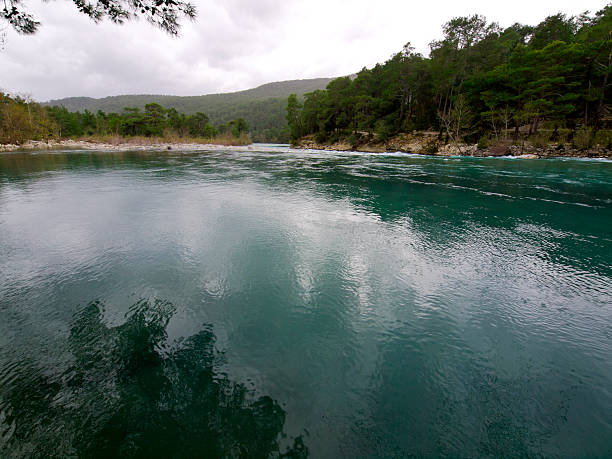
(267, 301)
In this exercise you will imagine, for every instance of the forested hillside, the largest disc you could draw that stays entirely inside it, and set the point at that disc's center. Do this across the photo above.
(263, 108)
(480, 84)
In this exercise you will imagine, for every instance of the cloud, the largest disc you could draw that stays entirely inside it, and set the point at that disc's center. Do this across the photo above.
(233, 44)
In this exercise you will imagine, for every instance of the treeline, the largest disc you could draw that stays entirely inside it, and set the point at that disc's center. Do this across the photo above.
(265, 119)
(263, 108)
(153, 121)
(22, 120)
(480, 82)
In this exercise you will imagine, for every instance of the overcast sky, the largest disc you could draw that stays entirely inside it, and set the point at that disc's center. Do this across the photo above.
(234, 44)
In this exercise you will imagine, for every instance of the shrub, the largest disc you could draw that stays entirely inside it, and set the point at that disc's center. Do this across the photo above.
(604, 139)
(383, 130)
(542, 140)
(320, 137)
(582, 140)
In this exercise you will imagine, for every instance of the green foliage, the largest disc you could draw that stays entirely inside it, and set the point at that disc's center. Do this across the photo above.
(603, 139)
(554, 28)
(22, 120)
(294, 117)
(164, 14)
(155, 121)
(384, 129)
(480, 81)
(541, 140)
(263, 108)
(238, 126)
(583, 139)
(483, 143)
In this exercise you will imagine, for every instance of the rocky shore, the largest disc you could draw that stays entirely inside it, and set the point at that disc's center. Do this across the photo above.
(428, 144)
(36, 145)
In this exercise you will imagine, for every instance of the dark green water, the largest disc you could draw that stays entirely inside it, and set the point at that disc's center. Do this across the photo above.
(265, 302)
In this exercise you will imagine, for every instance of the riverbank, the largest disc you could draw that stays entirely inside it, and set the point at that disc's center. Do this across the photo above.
(120, 144)
(427, 143)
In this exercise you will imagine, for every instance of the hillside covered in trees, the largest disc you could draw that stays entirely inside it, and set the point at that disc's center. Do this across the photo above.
(263, 108)
(480, 84)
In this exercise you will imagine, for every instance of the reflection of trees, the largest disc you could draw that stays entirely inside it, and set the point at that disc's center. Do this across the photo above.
(26, 165)
(127, 394)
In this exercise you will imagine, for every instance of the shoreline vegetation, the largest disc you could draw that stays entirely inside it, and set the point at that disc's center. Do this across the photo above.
(531, 91)
(419, 143)
(483, 90)
(128, 144)
(263, 107)
(428, 143)
(25, 124)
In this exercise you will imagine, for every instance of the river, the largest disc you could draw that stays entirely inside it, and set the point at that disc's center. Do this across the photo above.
(266, 300)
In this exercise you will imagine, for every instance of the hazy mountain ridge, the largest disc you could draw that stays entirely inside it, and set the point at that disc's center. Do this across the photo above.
(262, 107)
(280, 89)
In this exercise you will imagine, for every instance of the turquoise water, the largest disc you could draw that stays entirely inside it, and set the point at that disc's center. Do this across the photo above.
(267, 301)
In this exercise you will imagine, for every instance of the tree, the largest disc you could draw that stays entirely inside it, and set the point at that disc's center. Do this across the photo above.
(314, 111)
(294, 117)
(69, 123)
(177, 121)
(478, 81)
(132, 121)
(197, 124)
(22, 119)
(554, 28)
(164, 14)
(457, 121)
(238, 126)
(155, 119)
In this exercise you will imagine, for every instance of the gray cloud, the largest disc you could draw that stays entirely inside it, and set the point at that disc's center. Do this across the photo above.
(233, 44)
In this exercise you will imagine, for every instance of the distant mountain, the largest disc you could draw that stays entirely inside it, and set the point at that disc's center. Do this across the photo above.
(262, 107)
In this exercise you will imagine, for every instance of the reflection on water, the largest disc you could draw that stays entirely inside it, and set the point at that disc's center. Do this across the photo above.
(127, 393)
(371, 305)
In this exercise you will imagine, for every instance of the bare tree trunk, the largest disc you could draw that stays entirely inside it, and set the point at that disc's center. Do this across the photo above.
(494, 127)
(452, 122)
(516, 131)
(602, 95)
(506, 120)
(586, 107)
(445, 103)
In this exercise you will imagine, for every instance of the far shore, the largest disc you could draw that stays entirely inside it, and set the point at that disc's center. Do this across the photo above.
(128, 145)
(156, 145)
(427, 143)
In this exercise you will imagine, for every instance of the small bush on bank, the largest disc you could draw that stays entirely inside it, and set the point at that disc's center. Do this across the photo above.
(320, 137)
(541, 140)
(603, 139)
(582, 140)
(483, 143)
